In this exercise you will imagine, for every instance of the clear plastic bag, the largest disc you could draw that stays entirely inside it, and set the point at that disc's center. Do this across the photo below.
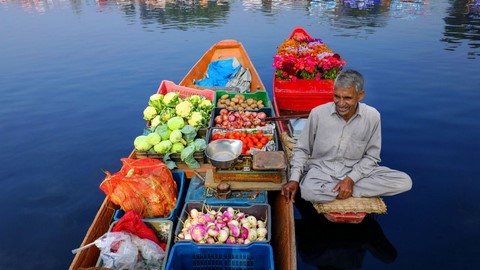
(123, 250)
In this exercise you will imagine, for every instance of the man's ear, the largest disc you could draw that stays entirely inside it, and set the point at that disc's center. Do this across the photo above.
(361, 95)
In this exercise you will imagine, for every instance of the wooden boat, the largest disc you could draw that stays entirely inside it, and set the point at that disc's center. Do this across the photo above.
(295, 99)
(283, 230)
(220, 51)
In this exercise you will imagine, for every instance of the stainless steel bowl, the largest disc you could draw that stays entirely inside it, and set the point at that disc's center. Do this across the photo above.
(223, 153)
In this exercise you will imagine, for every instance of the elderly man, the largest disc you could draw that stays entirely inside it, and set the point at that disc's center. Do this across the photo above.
(338, 152)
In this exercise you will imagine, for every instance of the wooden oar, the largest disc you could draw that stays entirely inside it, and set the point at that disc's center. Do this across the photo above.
(286, 117)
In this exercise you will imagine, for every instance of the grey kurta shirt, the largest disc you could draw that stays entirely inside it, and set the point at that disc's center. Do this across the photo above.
(335, 148)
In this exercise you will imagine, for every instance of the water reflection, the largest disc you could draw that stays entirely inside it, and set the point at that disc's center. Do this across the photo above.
(462, 25)
(327, 245)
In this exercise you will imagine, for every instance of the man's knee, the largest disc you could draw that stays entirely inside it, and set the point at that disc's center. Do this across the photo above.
(405, 184)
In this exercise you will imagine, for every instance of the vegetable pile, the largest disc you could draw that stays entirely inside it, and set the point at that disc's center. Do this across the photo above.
(239, 102)
(223, 227)
(255, 139)
(240, 119)
(172, 137)
(195, 109)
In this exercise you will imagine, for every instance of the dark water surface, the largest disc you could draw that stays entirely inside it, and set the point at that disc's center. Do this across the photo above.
(75, 77)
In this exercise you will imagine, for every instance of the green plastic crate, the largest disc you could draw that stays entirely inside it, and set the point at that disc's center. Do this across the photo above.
(259, 95)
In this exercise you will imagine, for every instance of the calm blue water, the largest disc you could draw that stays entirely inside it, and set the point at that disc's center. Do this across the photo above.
(75, 77)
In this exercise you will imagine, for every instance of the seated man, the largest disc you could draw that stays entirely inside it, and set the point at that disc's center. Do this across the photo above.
(338, 151)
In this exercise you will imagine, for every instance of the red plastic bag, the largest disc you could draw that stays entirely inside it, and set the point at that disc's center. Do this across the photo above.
(132, 222)
(145, 185)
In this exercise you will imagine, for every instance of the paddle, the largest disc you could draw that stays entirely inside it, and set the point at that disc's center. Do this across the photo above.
(286, 117)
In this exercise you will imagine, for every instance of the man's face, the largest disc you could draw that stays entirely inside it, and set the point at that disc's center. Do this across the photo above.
(346, 101)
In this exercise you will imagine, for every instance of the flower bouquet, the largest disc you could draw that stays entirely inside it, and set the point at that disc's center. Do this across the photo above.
(305, 69)
(306, 58)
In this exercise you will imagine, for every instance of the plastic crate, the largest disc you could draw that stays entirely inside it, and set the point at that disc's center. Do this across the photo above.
(302, 95)
(267, 130)
(179, 177)
(258, 95)
(260, 211)
(191, 256)
(163, 229)
(216, 111)
(197, 192)
(169, 86)
(176, 157)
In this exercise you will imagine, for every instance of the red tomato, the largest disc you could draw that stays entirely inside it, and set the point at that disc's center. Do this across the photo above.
(259, 145)
(264, 140)
(259, 134)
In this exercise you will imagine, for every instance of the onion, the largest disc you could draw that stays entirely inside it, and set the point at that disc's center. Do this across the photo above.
(261, 115)
(231, 118)
(223, 111)
(218, 119)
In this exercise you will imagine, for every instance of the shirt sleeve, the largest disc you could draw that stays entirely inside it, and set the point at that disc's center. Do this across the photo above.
(303, 148)
(371, 157)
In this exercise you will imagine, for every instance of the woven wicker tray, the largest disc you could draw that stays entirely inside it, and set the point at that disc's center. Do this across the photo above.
(366, 205)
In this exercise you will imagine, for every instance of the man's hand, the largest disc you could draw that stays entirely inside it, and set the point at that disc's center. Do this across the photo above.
(344, 188)
(289, 190)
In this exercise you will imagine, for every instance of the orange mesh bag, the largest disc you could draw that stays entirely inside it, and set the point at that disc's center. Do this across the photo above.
(145, 185)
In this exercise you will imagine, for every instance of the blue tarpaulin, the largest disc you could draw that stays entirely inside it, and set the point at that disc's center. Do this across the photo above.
(219, 73)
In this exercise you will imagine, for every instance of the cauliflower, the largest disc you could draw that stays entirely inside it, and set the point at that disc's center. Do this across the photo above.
(156, 101)
(194, 99)
(184, 109)
(167, 114)
(171, 99)
(196, 119)
(206, 105)
(156, 121)
(149, 113)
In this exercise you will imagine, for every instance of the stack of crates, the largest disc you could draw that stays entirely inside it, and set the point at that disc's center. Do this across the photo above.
(187, 254)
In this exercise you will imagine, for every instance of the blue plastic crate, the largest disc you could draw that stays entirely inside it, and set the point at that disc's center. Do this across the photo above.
(179, 177)
(260, 211)
(197, 192)
(190, 256)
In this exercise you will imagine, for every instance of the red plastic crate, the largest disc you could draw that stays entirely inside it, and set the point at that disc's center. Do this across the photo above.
(302, 95)
(169, 86)
(349, 217)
